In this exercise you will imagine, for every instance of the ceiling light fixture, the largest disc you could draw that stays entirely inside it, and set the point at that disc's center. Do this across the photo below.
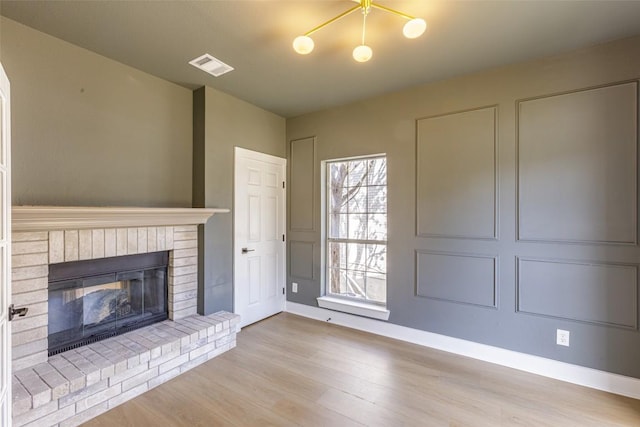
(414, 28)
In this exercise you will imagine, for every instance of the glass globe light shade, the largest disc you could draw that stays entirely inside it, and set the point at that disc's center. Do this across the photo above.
(362, 53)
(414, 28)
(303, 45)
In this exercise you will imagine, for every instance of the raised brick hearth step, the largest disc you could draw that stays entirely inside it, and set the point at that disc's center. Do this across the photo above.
(77, 385)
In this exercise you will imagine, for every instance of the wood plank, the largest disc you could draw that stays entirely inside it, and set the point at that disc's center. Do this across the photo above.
(288, 370)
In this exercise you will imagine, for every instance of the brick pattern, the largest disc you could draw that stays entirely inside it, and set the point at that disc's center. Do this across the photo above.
(30, 271)
(183, 271)
(77, 385)
(32, 252)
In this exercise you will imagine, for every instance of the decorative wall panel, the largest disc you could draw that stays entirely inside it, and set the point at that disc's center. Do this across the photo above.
(302, 204)
(588, 292)
(460, 278)
(456, 175)
(577, 163)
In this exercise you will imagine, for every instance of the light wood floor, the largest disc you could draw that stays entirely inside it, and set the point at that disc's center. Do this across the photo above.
(288, 370)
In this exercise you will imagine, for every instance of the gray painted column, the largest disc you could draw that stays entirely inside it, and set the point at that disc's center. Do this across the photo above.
(220, 123)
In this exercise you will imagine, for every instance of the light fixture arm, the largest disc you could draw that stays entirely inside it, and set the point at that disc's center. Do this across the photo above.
(395, 12)
(364, 25)
(332, 20)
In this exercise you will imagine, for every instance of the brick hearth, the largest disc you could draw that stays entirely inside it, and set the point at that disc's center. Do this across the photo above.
(77, 385)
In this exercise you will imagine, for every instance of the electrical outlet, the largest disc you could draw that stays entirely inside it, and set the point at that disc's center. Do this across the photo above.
(562, 337)
(294, 287)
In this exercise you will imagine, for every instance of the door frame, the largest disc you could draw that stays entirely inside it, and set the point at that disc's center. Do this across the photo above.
(5, 281)
(282, 162)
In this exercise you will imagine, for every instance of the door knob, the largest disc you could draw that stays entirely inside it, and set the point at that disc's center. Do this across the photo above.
(22, 311)
(245, 250)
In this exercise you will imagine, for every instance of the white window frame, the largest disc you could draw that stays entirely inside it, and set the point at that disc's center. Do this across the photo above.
(352, 305)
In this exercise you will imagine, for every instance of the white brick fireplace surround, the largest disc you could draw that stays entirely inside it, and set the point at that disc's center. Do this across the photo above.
(72, 387)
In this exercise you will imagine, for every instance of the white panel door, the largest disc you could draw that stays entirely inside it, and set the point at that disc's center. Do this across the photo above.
(259, 247)
(5, 250)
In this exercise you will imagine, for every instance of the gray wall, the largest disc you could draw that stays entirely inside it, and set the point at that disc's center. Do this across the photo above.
(90, 131)
(222, 122)
(512, 203)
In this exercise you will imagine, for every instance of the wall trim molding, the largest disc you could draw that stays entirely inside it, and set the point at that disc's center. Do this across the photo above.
(496, 164)
(580, 375)
(519, 103)
(47, 218)
(312, 169)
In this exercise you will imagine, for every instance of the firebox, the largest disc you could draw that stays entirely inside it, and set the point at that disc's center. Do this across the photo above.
(96, 299)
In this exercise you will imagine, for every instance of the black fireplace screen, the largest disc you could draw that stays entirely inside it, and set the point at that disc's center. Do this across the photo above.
(93, 300)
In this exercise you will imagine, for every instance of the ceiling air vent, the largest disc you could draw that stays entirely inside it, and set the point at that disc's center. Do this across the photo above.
(211, 65)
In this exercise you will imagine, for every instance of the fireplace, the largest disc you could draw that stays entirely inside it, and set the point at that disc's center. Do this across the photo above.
(45, 235)
(54, 276)
(97, 299)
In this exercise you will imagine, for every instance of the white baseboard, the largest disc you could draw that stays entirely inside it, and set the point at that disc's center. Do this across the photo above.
(593, 378)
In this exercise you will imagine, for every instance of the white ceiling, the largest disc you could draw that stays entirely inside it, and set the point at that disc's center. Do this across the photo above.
(255, 36)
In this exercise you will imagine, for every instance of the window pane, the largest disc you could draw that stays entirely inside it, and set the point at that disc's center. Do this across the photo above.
(376, 287)
(377, 258)
(356, 256)
(337, 255)
(377, 172)
(337, 200)
(357, 173)
(357, 226)
(377, 227)
(377, 199)
(355, 284)
(338, 174)
(338, 226)
(357, 200)
(337, 281)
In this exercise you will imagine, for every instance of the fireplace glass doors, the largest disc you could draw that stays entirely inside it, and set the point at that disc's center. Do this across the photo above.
(87, 302)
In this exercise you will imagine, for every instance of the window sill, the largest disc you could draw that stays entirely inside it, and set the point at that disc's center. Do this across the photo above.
(354, 307)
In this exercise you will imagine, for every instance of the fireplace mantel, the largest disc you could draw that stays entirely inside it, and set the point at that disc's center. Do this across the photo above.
(41, 218)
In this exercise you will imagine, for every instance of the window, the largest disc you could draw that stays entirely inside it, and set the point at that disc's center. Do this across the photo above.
(356, 257)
